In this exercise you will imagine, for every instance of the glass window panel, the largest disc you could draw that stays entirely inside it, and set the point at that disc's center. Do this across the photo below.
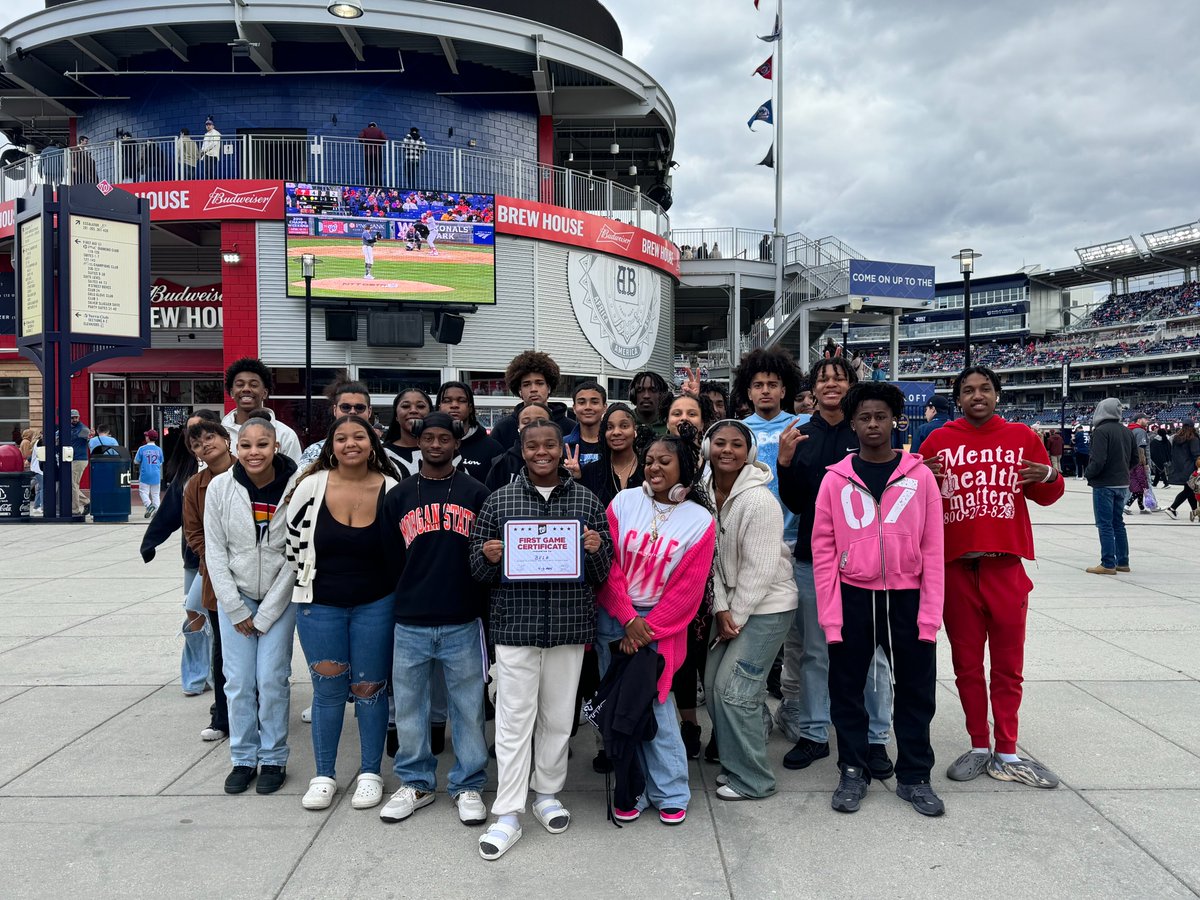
(176, 391)
(486, 384)
(289, 381)
(143, 390)
(114, 418)
(390, 382)
(208, 392)
(108, 390)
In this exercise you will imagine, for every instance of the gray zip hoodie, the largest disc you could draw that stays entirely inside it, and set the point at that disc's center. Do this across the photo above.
(237, 562)
(1114, 450)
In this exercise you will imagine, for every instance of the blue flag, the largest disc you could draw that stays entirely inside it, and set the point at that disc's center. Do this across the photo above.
(762, 114)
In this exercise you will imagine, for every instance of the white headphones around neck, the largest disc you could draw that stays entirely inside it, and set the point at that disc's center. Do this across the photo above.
(742, 427)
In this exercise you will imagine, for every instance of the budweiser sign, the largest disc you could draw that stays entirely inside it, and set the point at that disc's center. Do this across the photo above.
(255, 201)
(170, 294)
(213, 200)
(608, 236)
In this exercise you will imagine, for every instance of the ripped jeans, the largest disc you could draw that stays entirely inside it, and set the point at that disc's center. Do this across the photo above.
(349, 653)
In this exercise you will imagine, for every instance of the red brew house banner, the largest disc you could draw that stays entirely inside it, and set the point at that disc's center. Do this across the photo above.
(175, 201)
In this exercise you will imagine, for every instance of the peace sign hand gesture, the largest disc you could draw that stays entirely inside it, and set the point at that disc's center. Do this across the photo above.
(691, 381)
(571, 460)
(789, 440)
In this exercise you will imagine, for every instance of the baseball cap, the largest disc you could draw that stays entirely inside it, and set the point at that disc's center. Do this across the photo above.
(152, 434)
(439, 420)
(74, 414)
(940, 404)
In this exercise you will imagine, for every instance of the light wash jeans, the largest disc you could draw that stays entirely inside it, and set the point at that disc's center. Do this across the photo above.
(195, 666)
(1108, 505)
(736, 687)
(804, 711)
(663, 759)
(39, 488)
(257, 689)
(424, 655)
(360, 639)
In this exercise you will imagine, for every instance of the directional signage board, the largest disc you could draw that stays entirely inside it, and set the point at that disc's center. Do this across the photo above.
(32, 277)
(900, 281)
(105, 277)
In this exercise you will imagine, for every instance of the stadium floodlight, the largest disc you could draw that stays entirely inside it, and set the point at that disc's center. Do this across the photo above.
(345, 9)
(1178, 236)
(1098, 253)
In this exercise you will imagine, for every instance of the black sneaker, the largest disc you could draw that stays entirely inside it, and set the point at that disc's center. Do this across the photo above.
(879, 763)
(922, 798)
(239, 779)
(690, 732)
(711, 753)
(271, 779)
(805, 753)
(437, 737)
(851, 789)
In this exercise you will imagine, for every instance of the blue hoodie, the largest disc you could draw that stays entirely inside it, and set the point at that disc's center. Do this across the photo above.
(766, 433)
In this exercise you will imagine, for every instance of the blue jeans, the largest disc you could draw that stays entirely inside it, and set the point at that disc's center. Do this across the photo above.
(195, 666)
(357, 640)
(257, 689)
(736, 687)
(39, 487)
(663, 759)
(457, 652)
(1108, 504)
(804, 711)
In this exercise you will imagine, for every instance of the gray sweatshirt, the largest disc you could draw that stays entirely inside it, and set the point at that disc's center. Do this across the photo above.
(1114, 451)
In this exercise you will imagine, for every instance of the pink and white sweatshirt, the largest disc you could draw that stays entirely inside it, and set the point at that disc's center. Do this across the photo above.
(894, 545)
(661, 578)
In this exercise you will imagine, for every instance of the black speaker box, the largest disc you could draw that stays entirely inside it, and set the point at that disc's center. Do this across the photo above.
(447, 328)
(341, 325)
(395, 329)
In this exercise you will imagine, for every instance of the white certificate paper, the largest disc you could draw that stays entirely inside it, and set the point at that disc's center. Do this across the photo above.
(549, 550)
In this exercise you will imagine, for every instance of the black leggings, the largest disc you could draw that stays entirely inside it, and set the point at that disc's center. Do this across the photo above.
(683, 685)
(1186, 494)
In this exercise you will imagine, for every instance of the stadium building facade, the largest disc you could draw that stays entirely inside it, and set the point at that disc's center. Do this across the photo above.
(540, 149)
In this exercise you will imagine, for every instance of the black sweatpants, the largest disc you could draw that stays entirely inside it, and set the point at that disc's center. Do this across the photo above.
(220, 713)
(914, 665)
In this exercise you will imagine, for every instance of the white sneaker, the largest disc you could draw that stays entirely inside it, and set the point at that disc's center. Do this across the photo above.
(306, 716)
(212, 734)
(369, 791)
(471, 810)
(320, 793)
(404, 803)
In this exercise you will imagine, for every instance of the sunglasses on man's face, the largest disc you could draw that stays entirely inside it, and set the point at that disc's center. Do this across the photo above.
(347, 408)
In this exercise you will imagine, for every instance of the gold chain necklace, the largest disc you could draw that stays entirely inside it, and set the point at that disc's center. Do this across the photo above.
(660, 518)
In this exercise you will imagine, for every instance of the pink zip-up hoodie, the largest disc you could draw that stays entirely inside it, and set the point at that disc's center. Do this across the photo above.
(888, 546)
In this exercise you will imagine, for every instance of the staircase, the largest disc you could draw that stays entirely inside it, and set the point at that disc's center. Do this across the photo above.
(814, 270)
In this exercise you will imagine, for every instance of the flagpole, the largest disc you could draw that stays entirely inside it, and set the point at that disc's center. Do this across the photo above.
(777, 91)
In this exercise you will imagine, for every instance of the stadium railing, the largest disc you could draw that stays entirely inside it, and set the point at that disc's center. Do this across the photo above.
(317, 159)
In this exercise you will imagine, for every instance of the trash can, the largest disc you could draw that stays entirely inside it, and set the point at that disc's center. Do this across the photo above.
(111, 473)
(16, 495)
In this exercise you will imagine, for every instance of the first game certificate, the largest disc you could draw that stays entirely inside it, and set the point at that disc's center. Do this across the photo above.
(542, 550)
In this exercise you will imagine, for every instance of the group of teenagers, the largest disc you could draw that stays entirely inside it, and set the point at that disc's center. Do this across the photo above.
(801, 550)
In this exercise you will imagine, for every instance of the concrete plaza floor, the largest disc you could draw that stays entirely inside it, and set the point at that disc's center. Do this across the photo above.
(107, 791)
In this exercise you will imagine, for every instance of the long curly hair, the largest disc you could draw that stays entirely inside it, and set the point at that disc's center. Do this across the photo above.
(378, 462)
(775, 361)
(686, 447)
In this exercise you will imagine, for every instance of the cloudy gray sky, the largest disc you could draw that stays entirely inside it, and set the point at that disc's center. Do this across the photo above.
(916, 127)
(1022, 128)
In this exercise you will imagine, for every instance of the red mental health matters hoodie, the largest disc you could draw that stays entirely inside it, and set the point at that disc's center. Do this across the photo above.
(983, 500)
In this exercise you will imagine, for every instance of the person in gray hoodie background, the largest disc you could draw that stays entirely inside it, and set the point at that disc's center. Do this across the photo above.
(1114, 453)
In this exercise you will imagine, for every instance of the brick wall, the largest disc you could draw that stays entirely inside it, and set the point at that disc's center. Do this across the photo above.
(159, 107)
(239, 286)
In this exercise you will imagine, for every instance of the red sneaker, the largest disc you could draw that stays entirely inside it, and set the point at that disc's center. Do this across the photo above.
(626, 815)
(672, 815)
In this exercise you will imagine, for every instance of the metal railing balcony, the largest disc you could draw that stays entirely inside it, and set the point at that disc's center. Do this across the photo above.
(317, 159)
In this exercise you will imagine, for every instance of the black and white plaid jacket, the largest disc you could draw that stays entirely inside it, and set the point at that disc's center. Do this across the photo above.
(542, 614)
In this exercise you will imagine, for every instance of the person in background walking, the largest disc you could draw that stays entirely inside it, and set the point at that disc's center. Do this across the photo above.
(77, 437)
(1139, 478)
(343, 608)
(1054, 447)
(1160, 455)
(244, 531)
(1083, 443)
(209, 160)
(149, 460)
(1114, 454)
(1185, 447)
(373, 139)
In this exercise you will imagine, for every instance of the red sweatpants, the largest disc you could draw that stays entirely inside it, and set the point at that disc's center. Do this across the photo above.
(987, 600)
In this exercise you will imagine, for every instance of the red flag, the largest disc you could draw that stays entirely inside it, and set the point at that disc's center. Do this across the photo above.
(766, 68)
(756, 4)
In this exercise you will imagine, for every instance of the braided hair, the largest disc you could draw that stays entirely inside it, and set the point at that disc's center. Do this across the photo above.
(686, 447)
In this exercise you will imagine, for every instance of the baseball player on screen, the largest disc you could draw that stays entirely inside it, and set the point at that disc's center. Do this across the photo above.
(432, 224)
(369, 237)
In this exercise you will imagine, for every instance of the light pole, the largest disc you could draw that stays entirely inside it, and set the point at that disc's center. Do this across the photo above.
(846, 337)
(308, 265)
(966, 265)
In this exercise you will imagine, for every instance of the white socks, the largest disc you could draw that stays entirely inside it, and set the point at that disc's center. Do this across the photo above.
(511, 821)
(1008, 757)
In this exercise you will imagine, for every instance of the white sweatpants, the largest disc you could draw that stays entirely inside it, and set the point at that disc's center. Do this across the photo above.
(149, 494)
(535, 707)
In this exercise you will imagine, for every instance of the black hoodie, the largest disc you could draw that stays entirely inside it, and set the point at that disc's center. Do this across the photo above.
(475, 454)
(505, 468)
(265, 500)
(505, 431)
(799, 482)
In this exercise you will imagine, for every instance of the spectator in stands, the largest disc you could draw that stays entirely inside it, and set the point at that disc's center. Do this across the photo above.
(1185, 447)
(1114, 453)
(413, 148)
(937, 414)
(372, 138)
(186, 155)
(83, 166)
(210, 150)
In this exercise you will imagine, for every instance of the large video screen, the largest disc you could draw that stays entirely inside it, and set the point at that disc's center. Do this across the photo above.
(391, 243)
